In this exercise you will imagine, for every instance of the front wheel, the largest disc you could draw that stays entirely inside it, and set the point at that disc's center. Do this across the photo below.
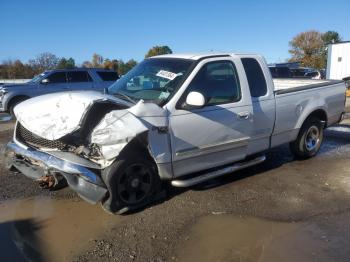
(13, 105)
(132, 182)
(309, 140)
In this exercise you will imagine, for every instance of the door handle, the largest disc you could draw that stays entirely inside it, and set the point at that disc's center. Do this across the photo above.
(243, 115)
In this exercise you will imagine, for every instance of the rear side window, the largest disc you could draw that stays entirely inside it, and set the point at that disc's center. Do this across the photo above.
(255, 76)
(78, 76)
(280, 72)
(218, 82)
(58, 77)
(108, 76)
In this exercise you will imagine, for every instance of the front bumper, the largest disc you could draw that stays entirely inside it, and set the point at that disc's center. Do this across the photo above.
(2, 109)
(36, 164)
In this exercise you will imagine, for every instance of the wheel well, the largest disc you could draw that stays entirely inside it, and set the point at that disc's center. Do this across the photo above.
(16, 99)
(138, 144)
(320, 114)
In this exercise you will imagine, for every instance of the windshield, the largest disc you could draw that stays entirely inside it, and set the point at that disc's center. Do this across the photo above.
(38, 78)
(153, 80)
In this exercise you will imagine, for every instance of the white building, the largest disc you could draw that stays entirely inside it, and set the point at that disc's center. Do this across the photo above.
(338, 61)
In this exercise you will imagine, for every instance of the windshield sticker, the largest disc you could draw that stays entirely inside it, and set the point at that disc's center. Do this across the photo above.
(167, 74)
(163, 95)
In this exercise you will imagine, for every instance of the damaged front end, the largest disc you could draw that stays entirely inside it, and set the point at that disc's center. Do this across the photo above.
(37, 165)
(77, 135)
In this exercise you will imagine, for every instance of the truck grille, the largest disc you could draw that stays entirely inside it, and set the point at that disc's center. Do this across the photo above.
(25, 136)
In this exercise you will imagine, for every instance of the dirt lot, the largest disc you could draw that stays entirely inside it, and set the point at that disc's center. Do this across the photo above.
(281, 210)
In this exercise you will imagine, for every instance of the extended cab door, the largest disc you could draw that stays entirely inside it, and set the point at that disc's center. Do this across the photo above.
(263, 101)
(218, 133)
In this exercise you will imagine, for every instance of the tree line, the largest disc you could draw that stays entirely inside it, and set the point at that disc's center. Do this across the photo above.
(310, 48)
(16, 69)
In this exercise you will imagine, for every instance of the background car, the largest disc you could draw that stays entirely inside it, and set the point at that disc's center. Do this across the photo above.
(56, 81)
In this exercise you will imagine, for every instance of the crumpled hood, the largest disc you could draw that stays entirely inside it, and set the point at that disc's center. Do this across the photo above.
(55, 115)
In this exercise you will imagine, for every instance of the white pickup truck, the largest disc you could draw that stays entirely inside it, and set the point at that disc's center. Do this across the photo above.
(181, 119)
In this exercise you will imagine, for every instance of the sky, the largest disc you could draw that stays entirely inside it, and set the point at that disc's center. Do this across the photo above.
(127, 29)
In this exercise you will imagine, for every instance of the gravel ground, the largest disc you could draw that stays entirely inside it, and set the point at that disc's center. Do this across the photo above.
(15, 185)
(281, 189)
(315, 191)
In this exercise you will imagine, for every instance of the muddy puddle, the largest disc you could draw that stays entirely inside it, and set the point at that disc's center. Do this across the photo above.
(228, 238)
(337, 141)
(43, 229)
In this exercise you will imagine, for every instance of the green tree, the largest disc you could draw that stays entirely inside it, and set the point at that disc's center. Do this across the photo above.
(330, 37)
(15, 70)
(21, 70)
(159, 50)
(307, 48)
(310, 48)
(111, 64)
(64, 63)
(123, 67)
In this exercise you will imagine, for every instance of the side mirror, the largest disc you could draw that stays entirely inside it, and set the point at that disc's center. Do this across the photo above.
(45, 81)
(194, 100)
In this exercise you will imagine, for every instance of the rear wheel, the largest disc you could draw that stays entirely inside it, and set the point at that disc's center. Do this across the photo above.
(132, 183)
(309, 140)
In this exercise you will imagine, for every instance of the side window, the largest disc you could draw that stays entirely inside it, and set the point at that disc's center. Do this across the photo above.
(255, 76)
(58, 77)
(78, 76)
(218, 82)
(108, 76)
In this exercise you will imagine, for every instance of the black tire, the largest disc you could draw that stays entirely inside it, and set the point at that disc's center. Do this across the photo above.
(309, 139)
(132, 182)
(13, 104)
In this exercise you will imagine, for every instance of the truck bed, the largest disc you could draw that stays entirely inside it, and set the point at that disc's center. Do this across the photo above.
(297, 98)
(283, 86)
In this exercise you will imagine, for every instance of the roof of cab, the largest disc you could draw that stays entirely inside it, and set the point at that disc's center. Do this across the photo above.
(192, 56)
(197, 56)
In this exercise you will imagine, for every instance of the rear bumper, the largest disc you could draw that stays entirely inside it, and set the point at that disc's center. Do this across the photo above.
(35, 164)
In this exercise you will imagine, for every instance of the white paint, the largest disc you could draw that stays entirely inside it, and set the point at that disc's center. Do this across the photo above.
(150, 113)
(338, 61)
(119, 127)
(196, 56)
(281, 84)
(115, 131)
(55, 115)
(195, 99)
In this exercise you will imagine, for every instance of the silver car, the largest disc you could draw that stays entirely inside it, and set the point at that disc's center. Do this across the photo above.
(55, 81)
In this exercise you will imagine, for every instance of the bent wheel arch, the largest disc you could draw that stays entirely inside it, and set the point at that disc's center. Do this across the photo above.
(15, 101)
(132, 179)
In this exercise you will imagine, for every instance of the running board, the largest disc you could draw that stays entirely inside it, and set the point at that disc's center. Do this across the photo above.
(217, 173)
